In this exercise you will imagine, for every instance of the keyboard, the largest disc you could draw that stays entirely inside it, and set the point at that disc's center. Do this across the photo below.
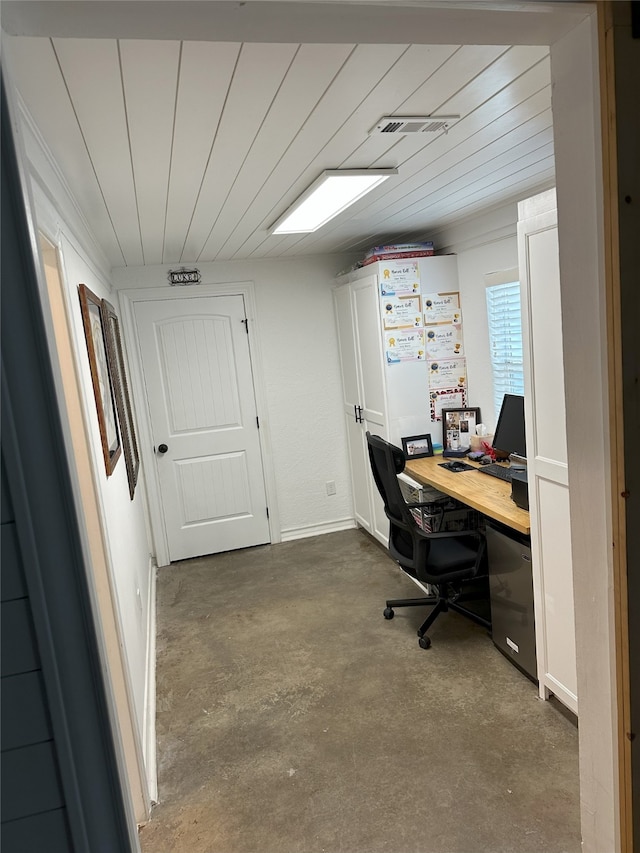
(496, 470)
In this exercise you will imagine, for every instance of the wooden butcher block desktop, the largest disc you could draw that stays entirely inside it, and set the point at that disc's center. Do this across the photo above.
(489, 495)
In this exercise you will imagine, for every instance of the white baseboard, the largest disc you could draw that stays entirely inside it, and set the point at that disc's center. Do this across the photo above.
(149, 738)
(318, 529)
(562, 693)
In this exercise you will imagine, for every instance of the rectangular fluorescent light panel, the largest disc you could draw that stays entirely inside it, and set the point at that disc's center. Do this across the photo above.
(334, 191)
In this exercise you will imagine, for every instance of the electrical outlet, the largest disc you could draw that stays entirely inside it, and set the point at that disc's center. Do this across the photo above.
(331, 487)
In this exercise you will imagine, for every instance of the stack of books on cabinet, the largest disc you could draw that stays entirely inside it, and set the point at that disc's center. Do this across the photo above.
(397, 252)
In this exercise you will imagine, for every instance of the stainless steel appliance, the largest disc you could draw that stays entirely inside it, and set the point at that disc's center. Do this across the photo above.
(511, 592)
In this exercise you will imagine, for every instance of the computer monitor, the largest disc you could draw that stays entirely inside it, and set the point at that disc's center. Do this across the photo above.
(509, 436)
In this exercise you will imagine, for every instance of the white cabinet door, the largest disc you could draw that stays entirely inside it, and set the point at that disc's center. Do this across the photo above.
(357, 318)
(379, 521)
(347, 340)
(547, 449)
(369, 349)
(372, 412)
(360, 473)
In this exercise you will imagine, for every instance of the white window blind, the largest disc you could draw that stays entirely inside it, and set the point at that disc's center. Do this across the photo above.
(505, 340)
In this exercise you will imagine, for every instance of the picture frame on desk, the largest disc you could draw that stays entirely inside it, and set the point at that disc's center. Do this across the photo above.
(417, 446)
(458, 425)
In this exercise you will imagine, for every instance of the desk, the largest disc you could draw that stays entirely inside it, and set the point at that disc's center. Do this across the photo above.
(489, 495)
(510, 568)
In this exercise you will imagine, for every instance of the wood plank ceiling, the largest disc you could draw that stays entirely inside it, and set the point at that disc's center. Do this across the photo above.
(187, 151)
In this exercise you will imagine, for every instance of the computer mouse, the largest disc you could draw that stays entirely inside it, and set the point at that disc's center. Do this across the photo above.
(457, 466)
(486, 460)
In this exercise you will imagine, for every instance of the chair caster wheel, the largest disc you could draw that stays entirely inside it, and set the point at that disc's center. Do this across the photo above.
(388, 613)
(424, 642)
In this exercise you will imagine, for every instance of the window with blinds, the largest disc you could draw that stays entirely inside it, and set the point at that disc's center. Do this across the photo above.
(505, 340)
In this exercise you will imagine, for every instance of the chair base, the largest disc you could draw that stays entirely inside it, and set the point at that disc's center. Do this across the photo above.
(446, 599)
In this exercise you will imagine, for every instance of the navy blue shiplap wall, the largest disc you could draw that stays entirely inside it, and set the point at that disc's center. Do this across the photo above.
(32, 804)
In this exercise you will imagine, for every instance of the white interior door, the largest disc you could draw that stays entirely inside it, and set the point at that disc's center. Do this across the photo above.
(198, 379)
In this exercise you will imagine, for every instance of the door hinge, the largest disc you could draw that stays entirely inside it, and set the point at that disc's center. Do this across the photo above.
(267, 509)
(246, 324)
(258, 422)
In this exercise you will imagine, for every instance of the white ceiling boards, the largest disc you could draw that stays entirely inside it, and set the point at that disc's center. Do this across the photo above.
(181, 148)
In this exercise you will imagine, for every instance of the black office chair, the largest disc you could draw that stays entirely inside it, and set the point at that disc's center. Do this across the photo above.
(446, 561)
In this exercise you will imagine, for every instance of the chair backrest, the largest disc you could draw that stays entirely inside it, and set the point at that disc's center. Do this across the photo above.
(408, 543)
(387, 461)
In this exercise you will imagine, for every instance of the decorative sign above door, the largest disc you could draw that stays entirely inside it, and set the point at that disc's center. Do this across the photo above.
(184, 276)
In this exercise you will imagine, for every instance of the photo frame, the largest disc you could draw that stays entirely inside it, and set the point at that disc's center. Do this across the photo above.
(417, 446)
(115, 358)
(92, 320)
(458, 425)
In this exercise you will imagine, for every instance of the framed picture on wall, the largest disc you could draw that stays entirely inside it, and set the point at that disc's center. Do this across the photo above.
(458, 425)
(417, 446)
(115, 357)
(91, 307)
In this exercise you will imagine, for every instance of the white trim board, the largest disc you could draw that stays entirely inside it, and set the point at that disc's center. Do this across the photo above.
(149, 744)
(318, 529)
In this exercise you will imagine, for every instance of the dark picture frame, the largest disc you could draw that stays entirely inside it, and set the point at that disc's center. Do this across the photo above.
(92, 320)
(117, 370)
(458, 425)
(417, 446)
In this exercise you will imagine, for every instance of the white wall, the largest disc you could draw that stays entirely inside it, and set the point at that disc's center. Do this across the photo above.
(483, 244)
(300, 367)
(124, 521)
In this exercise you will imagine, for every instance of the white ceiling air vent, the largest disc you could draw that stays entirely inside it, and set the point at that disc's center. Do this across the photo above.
(413, 124)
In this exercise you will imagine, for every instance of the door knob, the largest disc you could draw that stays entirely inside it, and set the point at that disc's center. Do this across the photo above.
(162, 448)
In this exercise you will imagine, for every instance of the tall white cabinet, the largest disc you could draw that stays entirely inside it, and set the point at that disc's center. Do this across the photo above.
(547, 448)
(391, 400)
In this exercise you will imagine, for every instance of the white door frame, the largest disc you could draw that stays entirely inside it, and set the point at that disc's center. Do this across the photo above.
(128, 299)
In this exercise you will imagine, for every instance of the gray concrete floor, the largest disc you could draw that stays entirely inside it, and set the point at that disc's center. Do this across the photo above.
(293, 718)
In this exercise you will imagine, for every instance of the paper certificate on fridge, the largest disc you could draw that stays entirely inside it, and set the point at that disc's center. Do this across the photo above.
(448, 373)
(446, 398)
(401, 312)
(442, 308)
(404, 346)
(443, 341)
(451, 315)
(399, 278)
